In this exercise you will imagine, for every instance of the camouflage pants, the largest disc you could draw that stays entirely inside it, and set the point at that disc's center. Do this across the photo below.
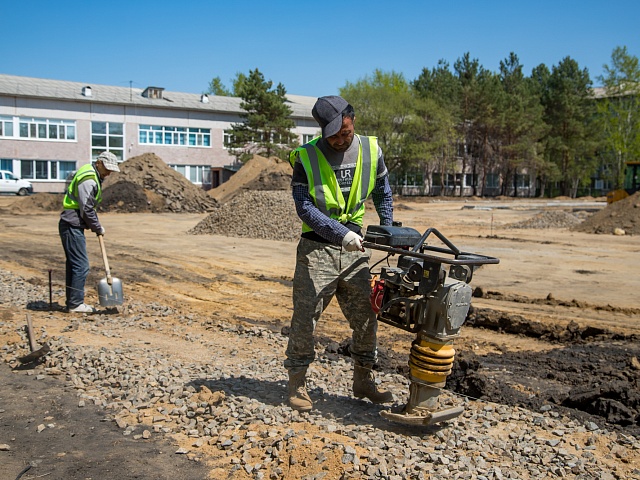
(322, 272)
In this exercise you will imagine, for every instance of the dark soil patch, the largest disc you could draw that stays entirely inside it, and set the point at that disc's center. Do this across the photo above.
(76, 443)
(126, 197)
(597, 382)
(518, 325)
(550, 300)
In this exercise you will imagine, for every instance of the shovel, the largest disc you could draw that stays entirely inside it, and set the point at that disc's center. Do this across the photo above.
(109, 288)
(35, 354)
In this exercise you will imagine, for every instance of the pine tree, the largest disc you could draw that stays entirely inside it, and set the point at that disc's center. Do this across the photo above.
(266, 127)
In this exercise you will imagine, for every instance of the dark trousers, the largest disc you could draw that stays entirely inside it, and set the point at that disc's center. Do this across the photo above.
(77, 266)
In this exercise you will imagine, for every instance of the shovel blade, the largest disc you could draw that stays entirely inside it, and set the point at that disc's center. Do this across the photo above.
(110, 295)
(35, 355)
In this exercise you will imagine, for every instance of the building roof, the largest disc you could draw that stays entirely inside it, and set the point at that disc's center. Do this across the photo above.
(77, 92)
(622, 90)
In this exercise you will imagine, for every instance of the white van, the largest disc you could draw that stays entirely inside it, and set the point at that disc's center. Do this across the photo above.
(9, 183)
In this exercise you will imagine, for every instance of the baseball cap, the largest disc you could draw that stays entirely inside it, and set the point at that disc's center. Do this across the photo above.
(328, 113)
(109, 160)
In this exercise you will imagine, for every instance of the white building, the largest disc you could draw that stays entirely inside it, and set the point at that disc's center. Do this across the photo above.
(49, 128)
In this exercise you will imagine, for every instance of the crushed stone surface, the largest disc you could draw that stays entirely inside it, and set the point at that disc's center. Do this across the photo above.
(229, 408)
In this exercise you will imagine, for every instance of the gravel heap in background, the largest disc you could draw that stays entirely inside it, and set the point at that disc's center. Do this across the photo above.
(238, 411)
(548, 219)
(265, 214)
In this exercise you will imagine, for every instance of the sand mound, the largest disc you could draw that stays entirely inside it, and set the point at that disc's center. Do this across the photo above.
(259, 173)
(43, 202)
(623, 214)
(270, 215)
(147, 184)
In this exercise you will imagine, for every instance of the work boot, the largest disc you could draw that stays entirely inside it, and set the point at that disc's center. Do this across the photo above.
(364, 385)
(298, 397)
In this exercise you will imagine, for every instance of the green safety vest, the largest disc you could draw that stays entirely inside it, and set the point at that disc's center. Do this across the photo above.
(70, 201)
(323, 184)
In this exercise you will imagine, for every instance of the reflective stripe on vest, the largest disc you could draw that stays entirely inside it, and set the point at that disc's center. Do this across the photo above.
(70, 201)
(323, 184)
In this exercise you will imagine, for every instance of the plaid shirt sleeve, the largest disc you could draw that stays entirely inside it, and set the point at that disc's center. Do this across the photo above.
(383, 200)
(328, 228)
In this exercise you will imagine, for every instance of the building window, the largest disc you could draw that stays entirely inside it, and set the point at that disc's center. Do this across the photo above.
(161, 135)
(492, 180)
(470, 180)
(522, 181)
(307, 137)
(407, 179)
(448, 180)
(107, 136)
(198, 174)
(46, 169)
(6, 126)
(38, 128)
(6, 164)
(199, 137)
(227, 138)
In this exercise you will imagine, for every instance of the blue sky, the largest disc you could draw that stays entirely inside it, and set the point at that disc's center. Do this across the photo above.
(312, 48)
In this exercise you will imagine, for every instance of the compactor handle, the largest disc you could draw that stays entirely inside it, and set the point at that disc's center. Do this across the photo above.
(454, 256)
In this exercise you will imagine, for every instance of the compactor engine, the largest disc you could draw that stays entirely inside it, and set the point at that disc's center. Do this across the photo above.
(426, 293)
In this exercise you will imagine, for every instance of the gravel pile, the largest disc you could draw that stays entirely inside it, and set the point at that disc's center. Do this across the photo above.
(548, 219)
(236, 411)
(264, 214)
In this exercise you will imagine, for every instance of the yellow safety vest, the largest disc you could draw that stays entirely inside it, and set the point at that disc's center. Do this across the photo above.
(70, 201)
(323, 184)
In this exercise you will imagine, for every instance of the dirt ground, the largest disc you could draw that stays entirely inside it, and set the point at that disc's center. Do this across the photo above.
(556, 321)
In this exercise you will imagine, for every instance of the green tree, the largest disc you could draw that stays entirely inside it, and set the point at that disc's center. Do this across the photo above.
(216, 87)
(569, 113)
(238, 83)
(386, 108)
(522, 127)
(547, 170)
(477, 120)
(620, 113)
(440, 85)
(440, 89)
(266, 129)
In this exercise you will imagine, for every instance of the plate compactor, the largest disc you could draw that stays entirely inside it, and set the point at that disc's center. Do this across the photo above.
(426, 293)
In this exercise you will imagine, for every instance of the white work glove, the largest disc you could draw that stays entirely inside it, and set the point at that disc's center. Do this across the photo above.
(352, 242)
(101, 232)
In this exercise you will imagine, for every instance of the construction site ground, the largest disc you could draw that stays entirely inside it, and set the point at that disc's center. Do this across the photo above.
(549, 283)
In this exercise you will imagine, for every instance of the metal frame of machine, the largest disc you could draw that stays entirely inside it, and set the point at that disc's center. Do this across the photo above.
(418, 296)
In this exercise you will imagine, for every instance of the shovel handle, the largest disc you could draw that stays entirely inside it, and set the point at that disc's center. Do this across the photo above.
(32, 342)
(104, 259)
